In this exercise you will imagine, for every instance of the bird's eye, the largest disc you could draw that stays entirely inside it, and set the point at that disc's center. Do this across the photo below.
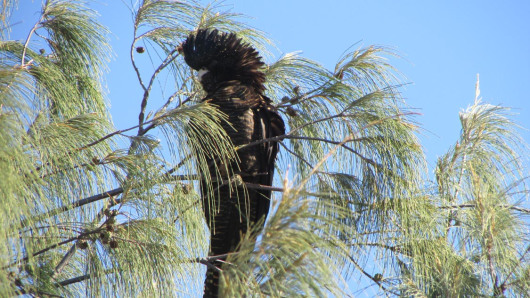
(202, 72)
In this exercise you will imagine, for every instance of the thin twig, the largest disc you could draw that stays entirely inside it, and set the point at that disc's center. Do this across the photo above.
(263, 187)
(296, 154)
(68, 256)
(321, 162)
(154, 120)
(341, 144)
(395, 249)
(504, 284)
(180, 164)
(194, 204)
(209, 260)
(170, 57)
(377, 281)
(163, 109)
(25, 259)
(98, 197)
(131, 53)
(34, 293)
(173, 96)
(80, 278)
(64, 261)
(74, 280)
(461, 206)
(35, 27)
(299, 98)
(494, 277)
(75, 204)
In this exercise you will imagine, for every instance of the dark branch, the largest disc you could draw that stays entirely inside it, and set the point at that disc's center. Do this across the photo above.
(74, 280)
(65, 260)
(264, 187)
(462, 206)
(209, 260)
(375, 280)
(79, 203)
(80, 236)
(297, 155)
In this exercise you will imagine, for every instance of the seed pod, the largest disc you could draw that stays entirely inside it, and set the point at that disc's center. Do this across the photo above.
(105, 237)
(96, 160)
(111, 220)
(113, 243)
(82, 244)
(291, 112)
(109, 227)
(378, 277)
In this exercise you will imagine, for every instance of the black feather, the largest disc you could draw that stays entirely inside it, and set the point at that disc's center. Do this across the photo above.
(235, 84)
(226, 57)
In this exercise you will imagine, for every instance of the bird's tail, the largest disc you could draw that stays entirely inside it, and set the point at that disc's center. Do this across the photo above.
(211, 284)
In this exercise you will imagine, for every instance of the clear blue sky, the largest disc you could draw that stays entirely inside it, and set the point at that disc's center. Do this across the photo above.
(444, 44)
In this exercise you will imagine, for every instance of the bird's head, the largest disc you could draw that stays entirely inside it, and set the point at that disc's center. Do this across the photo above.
(220, 57)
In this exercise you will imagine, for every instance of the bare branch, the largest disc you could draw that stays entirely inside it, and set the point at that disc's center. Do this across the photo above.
(170, 57)
(74, 280)
(461, 206)
(520, 263)
(131, 53)
(209, 260)
(297, 155)
(79, 203)
(80, 236)
(35, 27)
(65, 260)
(375, 280)
(117, 132)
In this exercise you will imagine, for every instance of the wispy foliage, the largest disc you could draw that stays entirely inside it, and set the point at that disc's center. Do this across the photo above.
(91, 209)
(476, 240)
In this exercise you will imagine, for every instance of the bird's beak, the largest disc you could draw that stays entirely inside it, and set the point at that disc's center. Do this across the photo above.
(202, 72)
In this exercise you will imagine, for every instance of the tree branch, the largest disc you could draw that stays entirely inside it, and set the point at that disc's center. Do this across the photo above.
(68, 256)
(170, 57)
(35, 27)
(79, 203)
(375, 280)
(461, 206)
(65, 260)
(125, 130)
(297, 155)
(74, 280)
(80, 236)
(131, 53)
(209, 260)
(504, 285)
(101, 196)
(80, 278)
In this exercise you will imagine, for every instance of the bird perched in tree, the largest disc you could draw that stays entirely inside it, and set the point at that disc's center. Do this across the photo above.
(229, 71)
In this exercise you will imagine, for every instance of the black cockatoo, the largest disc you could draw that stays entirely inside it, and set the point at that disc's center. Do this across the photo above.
(230, 73)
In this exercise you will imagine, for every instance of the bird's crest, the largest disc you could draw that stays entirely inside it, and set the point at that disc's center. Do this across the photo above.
(225, 56)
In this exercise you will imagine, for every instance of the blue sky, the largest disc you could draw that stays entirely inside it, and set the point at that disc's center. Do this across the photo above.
(443, 44)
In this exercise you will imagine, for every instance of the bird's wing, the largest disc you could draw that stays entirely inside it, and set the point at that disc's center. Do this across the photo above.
(269, 124)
